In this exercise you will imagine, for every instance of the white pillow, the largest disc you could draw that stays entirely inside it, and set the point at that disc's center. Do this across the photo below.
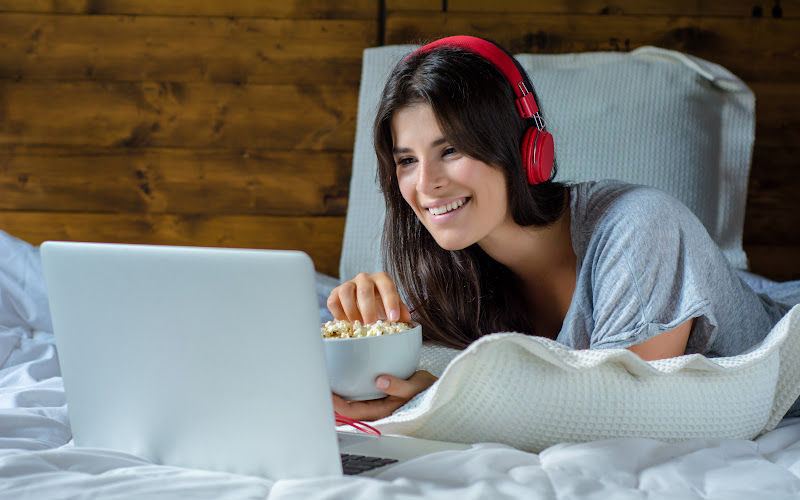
(531, 393)
(23, 298)
(650, 116)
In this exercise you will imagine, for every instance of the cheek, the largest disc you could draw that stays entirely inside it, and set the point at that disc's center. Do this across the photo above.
(488, 181)
(500, 192)
(407, 188)
(496, 195)
(503, 206)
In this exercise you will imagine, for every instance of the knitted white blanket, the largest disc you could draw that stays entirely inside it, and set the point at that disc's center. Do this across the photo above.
(532, 392)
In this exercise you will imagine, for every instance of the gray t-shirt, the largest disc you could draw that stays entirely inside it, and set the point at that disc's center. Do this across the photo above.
(646, 265)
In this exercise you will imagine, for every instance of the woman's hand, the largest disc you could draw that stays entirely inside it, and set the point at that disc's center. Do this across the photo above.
(399, 392)
(368, 298)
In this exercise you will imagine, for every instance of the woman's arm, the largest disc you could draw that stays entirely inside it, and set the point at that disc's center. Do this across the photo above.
(665, 345)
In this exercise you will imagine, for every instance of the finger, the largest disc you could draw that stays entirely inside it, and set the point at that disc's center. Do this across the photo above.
(405, 314)
(365, 296)
(339, 405)
(390, 299)
(335, 305)
(381, 312)
(368, 410)
(347, 297)
(405, 389)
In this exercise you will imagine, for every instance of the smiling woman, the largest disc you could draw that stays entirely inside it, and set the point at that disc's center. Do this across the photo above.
(445, 188)
(447, 130)
(480, 238)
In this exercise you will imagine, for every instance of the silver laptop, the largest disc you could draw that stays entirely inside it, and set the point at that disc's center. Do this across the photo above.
(203, 358)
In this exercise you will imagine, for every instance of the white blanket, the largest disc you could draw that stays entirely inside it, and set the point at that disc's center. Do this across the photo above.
(532, 393)
(38, 461)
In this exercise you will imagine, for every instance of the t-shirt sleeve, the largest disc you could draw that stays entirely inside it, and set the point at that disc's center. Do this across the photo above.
(644, 280)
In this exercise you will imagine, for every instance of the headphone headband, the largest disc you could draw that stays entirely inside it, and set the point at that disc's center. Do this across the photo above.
(536, 144)
(526, 104)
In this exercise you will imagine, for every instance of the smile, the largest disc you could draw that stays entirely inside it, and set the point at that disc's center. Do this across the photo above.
(450, 207)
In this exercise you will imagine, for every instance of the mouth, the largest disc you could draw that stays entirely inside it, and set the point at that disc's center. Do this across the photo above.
(449, 208)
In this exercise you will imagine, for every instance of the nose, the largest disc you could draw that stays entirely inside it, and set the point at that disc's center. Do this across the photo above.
(430, 176)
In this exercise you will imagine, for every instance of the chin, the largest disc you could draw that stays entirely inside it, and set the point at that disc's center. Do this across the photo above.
(451, 246)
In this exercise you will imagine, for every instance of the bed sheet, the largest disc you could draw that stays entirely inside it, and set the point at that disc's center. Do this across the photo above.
(37, 459)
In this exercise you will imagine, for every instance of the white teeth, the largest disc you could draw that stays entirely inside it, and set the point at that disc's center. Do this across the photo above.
(446, 208)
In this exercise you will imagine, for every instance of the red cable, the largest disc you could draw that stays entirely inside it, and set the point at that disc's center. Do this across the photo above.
(357, 424)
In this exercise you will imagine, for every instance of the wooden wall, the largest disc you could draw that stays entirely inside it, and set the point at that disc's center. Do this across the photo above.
(232, 123)
(182, 122)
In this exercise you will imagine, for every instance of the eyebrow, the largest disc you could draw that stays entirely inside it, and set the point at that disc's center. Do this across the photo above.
(437, 142)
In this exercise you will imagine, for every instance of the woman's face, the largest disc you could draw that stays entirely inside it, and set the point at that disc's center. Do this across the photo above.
(459, 199)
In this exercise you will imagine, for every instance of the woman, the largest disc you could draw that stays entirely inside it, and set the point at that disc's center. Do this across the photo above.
(480, 239)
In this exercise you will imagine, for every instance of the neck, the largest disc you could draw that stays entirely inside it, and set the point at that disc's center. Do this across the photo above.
(534, 254)
(543, 260)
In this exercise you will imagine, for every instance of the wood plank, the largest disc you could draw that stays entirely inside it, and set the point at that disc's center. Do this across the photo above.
(772, 214)
(175, 181)
(779, 263)
(177, 49)
(285, 9)
(138, 114)
(777, 113)
(762, 49)
(790, 8)
(415, 5)
(320, 237)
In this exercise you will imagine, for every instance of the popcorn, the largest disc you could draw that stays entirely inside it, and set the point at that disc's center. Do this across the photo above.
(343, 329)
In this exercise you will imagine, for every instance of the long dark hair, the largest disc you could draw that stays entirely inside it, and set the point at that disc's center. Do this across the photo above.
(459, 295)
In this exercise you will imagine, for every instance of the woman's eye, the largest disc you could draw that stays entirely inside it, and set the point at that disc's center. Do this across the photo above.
(404, 161)
(449, 151)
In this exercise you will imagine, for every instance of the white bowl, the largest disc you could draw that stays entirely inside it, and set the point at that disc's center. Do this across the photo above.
(355, 363)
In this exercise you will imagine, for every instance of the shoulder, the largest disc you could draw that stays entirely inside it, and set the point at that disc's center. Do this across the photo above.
(619, 210)
(638, 266)
(638, 235)
(610, 198)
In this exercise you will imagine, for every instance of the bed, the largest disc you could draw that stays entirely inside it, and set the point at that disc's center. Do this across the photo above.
(38, 460)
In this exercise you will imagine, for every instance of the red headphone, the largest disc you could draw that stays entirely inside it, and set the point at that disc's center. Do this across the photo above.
(537, 144)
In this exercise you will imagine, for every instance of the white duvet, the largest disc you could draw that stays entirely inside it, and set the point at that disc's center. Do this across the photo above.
(37, 459)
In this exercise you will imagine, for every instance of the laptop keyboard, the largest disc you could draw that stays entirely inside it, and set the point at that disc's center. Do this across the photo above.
(356, 464)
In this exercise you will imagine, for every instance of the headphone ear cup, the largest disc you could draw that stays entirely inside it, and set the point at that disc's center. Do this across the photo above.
(538, 152)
